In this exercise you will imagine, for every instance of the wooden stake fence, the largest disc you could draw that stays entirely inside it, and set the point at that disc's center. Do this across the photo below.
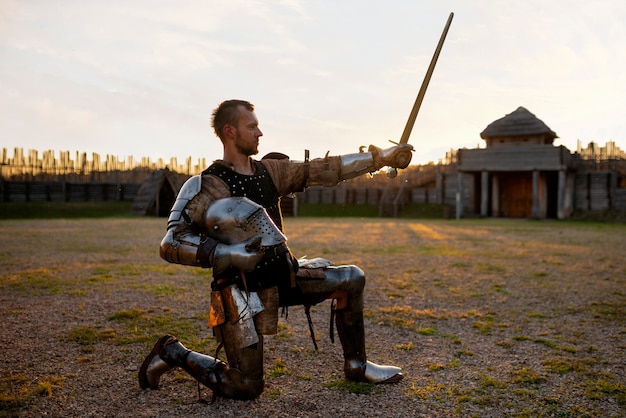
(48, 166)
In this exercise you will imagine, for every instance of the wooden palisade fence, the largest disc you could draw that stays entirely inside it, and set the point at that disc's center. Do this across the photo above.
(48, 166)
(33, 176)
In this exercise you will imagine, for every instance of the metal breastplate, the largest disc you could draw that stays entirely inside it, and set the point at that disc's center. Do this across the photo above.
(257, 187)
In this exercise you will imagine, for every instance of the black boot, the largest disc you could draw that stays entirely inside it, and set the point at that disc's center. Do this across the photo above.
(356, 367)
(215, 374)
(153, 367)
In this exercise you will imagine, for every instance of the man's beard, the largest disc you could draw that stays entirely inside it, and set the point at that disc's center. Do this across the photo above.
(246, 150)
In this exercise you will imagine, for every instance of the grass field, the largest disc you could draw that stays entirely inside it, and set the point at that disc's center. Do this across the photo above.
(486, 317)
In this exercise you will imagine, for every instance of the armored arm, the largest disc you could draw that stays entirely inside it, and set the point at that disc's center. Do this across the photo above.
(186, 243)
(353, 165)
(182, 242)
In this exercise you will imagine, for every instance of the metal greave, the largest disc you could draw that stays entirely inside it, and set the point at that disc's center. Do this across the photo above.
(351, 331)
(357, 368)
(224, 380)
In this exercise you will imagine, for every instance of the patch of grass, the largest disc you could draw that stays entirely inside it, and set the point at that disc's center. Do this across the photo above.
(427, 331)
(431, 390)
(33, 281)
(65, 210)
(484, 326)
(279, 369)
(404, 347)
(455, 338)
(337, 210)
(407, 317)
(569, 349)
(487, 381)
(561, 365)
(127, 314)
(454, 363)
(136, 325)
(436, 366)
(87, 335)
(485, 267)
(48, 385)
(543, 341)
(273, 393)
(426, 211)
(285, 333)
(609, 311)
(525, 376)
(357, 388)
(15, 392)
(498, 288)
(505, 344)
(603, 388)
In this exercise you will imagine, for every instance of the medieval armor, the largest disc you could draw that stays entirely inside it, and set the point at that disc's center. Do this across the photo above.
(237, 219)
(232, 222)
(182, 249)
(357, 164)
(215, 374)
(398, 156)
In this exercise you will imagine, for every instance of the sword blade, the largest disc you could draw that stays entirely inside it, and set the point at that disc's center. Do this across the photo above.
(420, 96)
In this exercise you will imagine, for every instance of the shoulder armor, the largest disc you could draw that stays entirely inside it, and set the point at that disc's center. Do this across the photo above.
(190, 189)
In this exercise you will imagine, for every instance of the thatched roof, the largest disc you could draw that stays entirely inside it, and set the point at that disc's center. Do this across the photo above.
(157, 194)
(519, 123)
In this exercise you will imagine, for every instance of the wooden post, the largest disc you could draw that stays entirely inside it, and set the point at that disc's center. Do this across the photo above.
(560, 204)
(495, 195)
(535, 206)
(439, 187)
(484, 193)
(459, 193)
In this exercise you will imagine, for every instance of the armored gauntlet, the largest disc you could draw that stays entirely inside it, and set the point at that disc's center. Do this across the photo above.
(398, 156)
(244, 256)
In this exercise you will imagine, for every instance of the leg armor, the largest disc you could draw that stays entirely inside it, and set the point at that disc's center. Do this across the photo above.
(231, 382)
(349, 280)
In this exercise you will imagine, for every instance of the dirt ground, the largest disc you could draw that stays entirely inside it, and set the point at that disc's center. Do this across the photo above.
(487, 318)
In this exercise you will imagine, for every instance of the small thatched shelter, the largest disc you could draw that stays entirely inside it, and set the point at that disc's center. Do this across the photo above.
(520, 173)
(156, 195)
(518, 127)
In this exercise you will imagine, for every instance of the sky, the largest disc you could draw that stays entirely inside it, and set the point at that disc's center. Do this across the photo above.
(141, 77)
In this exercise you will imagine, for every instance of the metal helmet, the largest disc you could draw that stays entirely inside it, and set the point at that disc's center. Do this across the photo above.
(234, 220)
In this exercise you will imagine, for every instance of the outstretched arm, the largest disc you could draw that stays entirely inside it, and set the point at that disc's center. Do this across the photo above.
(353, 165)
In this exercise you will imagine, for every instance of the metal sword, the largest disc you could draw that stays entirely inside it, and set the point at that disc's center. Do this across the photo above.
(393, 172)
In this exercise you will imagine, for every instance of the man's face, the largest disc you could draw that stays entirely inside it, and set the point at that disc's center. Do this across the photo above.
(248, 133)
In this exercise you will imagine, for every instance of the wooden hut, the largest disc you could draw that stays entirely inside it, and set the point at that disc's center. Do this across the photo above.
(156, 195)
(520, 173)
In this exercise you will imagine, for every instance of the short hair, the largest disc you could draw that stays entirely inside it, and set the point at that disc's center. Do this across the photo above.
(227, 113)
